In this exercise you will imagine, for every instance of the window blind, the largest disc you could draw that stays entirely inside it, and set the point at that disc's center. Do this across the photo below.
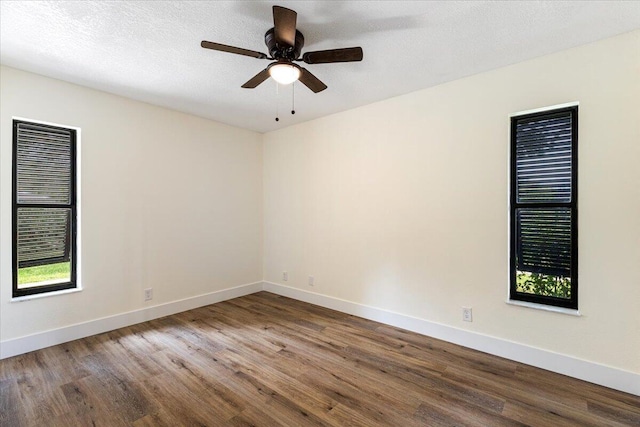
(543, 184)
(544, 241)
(43, 165)
(44, 192)
(543, 153)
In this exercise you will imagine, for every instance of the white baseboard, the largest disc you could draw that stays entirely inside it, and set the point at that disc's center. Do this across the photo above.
(16, 346)
(588, 371)
(614, 378)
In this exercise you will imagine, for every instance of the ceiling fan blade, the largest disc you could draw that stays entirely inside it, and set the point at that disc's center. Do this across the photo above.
(257, 79)
(284, 24)
(348, 54)
(231, 49)
(311, 81)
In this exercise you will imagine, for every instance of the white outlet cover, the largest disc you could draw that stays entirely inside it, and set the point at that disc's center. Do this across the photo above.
(311, 280)
(467, 314)
(285, 276)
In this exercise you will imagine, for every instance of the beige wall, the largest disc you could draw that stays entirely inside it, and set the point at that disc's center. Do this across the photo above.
(168, 201)
(403, 204)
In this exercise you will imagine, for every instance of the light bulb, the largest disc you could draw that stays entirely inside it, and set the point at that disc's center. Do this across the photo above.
(284, 73)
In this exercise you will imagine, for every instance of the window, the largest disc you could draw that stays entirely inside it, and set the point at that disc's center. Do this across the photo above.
(44, 208)
(544, 213)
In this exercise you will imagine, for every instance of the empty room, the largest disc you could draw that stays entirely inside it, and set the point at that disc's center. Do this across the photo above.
(319, 213)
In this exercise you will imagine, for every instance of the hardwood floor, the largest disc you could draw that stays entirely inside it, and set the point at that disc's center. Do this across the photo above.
(265, 360)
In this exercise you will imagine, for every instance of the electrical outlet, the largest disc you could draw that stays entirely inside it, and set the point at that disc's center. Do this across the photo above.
(285, 276)
(467, 314)
(311, 281)
(148, 294)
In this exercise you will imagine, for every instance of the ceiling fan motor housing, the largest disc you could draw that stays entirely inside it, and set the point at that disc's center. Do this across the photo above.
(286, 52)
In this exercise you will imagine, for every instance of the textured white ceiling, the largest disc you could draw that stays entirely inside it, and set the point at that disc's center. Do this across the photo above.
(150, 50)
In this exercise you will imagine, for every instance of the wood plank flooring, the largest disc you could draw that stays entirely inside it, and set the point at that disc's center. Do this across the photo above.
(266, 360)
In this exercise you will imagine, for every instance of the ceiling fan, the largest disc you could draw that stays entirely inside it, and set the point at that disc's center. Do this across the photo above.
(285, 43)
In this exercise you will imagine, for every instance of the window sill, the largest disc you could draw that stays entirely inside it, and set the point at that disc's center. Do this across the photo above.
(561, 310)
(46, 294)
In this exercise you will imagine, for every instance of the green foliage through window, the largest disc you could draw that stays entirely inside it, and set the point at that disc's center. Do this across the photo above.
(544, 285)
(44, 273)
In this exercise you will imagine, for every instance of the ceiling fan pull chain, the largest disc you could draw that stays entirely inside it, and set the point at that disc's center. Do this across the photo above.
(277, 103)
(293, 98)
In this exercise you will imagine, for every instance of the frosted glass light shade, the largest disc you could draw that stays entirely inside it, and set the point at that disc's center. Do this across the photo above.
(284, 73)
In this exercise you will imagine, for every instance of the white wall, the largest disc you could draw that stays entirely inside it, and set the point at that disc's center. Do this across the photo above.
(168, 201)
(403, 204)
(400, 205)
